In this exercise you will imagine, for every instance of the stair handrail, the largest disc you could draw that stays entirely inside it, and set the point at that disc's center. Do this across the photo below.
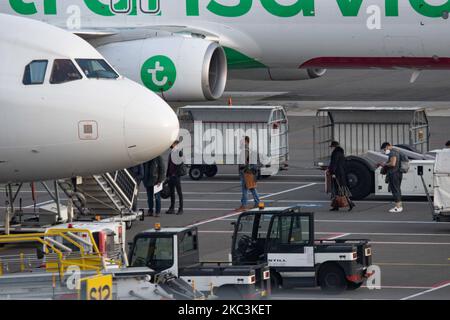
(106, 192)
(118, 189)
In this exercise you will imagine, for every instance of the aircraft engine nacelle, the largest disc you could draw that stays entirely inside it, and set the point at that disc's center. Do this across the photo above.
(178, 68)
(278, 74)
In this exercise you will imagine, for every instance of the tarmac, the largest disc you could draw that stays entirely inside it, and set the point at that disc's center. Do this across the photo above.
(412, 251)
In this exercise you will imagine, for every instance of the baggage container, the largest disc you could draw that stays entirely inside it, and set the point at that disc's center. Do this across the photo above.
(215, 134)
(360, 130)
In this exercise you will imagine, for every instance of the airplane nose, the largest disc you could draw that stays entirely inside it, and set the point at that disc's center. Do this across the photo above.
(151, 126)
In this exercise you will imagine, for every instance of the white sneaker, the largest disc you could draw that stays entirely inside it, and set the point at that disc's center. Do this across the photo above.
(396, 210)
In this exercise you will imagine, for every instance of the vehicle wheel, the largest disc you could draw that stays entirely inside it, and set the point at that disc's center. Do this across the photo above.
(196, 173)
(128, 224)
(332, 279)
(353, 285)
(229, 293)
(211, 171)
(359, 179)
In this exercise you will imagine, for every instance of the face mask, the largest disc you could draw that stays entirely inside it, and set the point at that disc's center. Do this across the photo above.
(387, 152)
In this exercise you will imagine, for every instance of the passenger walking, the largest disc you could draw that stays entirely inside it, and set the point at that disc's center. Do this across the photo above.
(153, 176)
(137, 172)
(247, 175)
(394, 176)
(340, 193)
(175, 170)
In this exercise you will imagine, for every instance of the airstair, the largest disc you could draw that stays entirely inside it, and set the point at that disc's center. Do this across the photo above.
(105, 195)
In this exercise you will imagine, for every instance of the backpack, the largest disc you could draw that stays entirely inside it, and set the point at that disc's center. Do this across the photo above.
(404, 163)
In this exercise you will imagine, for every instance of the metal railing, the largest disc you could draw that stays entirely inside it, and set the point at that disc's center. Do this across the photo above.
(123, 185)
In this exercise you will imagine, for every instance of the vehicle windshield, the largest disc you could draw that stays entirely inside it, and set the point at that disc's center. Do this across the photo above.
(97, 69)
(245, 227)
(155, 253)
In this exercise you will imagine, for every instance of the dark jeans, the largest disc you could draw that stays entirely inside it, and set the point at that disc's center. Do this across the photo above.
(151, 196)
(175, 183)
(395, 183)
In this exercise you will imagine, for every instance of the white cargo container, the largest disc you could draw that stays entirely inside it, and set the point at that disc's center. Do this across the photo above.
(361, 132)
(216, 133)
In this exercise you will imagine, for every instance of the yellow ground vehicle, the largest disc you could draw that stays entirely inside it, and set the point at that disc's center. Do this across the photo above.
(56, 250)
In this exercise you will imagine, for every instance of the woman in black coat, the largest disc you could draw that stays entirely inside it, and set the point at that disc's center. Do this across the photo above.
(339, 178)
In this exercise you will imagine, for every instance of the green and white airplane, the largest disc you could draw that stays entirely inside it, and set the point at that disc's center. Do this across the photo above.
(187, 49)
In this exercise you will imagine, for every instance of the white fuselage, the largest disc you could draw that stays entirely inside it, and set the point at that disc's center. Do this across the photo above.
(277, 34)
(42, 126)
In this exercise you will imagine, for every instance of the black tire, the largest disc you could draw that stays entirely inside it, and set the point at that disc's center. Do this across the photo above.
(196, 173)
(229, 292)
(332, 279)
(359, 179)
(211, 171)
(353, 285)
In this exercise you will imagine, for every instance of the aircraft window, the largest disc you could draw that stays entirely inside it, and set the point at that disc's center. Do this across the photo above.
(97, 68)
(64, 71)
(35, 72)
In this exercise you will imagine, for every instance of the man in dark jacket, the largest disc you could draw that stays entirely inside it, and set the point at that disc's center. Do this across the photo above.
(394, 175)
(336, 169)
(173, 174)
(153, 176)
(137, 172)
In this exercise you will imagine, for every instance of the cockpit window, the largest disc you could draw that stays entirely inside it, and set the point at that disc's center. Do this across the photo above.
(35, 72)
(97, 69)
(64, 71)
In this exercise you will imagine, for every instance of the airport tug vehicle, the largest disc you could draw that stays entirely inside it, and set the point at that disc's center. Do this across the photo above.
(176, 251)
(284, 238)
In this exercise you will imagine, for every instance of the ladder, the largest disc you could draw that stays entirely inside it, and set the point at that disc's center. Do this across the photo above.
(108, 194)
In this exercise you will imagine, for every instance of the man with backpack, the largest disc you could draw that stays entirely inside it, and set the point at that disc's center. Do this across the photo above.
(394, 168)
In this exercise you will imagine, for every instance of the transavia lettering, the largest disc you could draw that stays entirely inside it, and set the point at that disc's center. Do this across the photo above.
(307, 8)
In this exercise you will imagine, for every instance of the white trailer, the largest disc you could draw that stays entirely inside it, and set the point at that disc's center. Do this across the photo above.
(216, 132)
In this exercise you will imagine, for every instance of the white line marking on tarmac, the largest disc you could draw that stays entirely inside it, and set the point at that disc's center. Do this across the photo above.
(40, 204)
(289, 190)
(383, 221)
(357, 233)
(237, 182)
(427, 291)
(197, 209)
(341, 235)
(238, 213)
(281, 175)
(410, 243)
